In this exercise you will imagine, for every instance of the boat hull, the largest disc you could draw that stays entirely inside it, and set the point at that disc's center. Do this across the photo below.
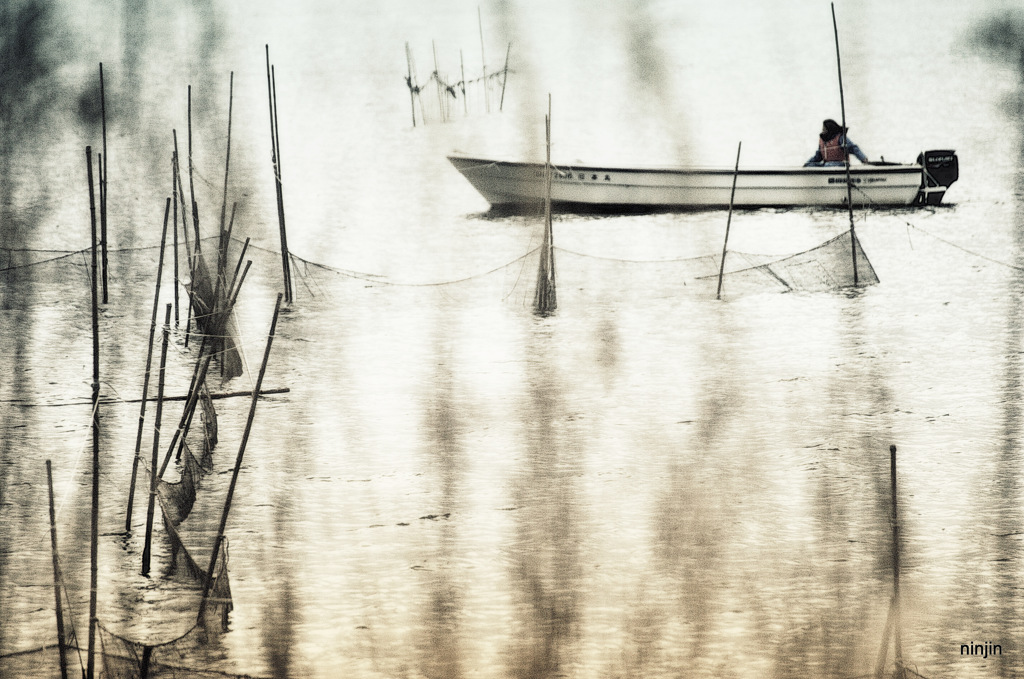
(517, 185)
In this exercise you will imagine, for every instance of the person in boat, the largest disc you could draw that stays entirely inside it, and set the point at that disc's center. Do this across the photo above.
(834, 147)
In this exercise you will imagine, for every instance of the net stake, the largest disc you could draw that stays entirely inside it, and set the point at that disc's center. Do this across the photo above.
(728, 221)
(238, 464)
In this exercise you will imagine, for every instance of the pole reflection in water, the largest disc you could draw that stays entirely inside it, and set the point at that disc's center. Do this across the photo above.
(441, 636)
(545, 568)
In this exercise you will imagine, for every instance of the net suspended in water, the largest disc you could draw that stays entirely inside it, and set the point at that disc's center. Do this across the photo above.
(584, 278)
(125, 658)
(214, 314)
(829, 266)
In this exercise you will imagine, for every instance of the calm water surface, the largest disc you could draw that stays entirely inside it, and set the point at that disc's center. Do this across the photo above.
(649, 482)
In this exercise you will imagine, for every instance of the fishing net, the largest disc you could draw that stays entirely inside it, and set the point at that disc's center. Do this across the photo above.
(214, 315)
(29, 278)
(22, 270)
(584, 279)
(126, 658)
(829, 266)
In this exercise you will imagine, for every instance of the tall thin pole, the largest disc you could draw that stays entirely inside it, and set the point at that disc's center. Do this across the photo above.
(462, 69)
(94, 528)
(504, 78)
(174, 226)
(408, 80)
(154, 480)
(238, 463)
(103, 183)
(437, 82)
(58, 601)
(276, 160)
(284, 232)
(191, 183)
(145, 380)
(845, 146)
(102, 168)
(483, 60)
(896, 636)
(227, 159)
(728, 221)
(184, 230)
(198, 379)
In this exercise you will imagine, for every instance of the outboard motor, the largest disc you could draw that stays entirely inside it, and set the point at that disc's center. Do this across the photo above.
(940, 169)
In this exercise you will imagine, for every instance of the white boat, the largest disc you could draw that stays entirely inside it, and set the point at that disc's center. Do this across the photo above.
(507, 184)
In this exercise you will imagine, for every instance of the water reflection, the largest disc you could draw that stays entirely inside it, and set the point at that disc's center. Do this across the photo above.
(440, 647)
(1000, 514)
(545, 566)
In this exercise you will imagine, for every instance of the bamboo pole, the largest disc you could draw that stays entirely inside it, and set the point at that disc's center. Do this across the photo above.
(184, 231)
(545, 299)
(234, 295)
(191, 183)
(102, 168)
(289, 292)
(181, 199)
(728, 221)
(103, 183)
(276, 160)
(145, 381)
(462, 83)
(238, 464)
(483, 60)
(174, 226)
(227, 158)
(226, 243)
(504, 78)
(94, 523)
(897, 639)
(198, 378)
(234, 278)
(190, 406)
(223, 288)
(408, 81)
(437, 82)
(179, 397)
(58, 601)
(845, 145)
(154, 480)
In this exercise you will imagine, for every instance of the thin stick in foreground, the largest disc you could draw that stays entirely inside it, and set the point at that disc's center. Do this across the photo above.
(154, 480)
(211, 571)
(58, 600)
(145, 381)
(728, 221)
(845, 146)
(95, 513)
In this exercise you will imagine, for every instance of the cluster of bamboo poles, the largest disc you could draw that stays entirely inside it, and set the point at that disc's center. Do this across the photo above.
(446, 90)
(545, 300)
(209, 308)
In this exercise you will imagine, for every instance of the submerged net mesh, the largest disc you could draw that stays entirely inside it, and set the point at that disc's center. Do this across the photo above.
(583, 278)
(214, 315)
(829, 266)
(125, 658)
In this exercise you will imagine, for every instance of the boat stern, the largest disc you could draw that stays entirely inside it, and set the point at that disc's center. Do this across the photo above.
(939, 170)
